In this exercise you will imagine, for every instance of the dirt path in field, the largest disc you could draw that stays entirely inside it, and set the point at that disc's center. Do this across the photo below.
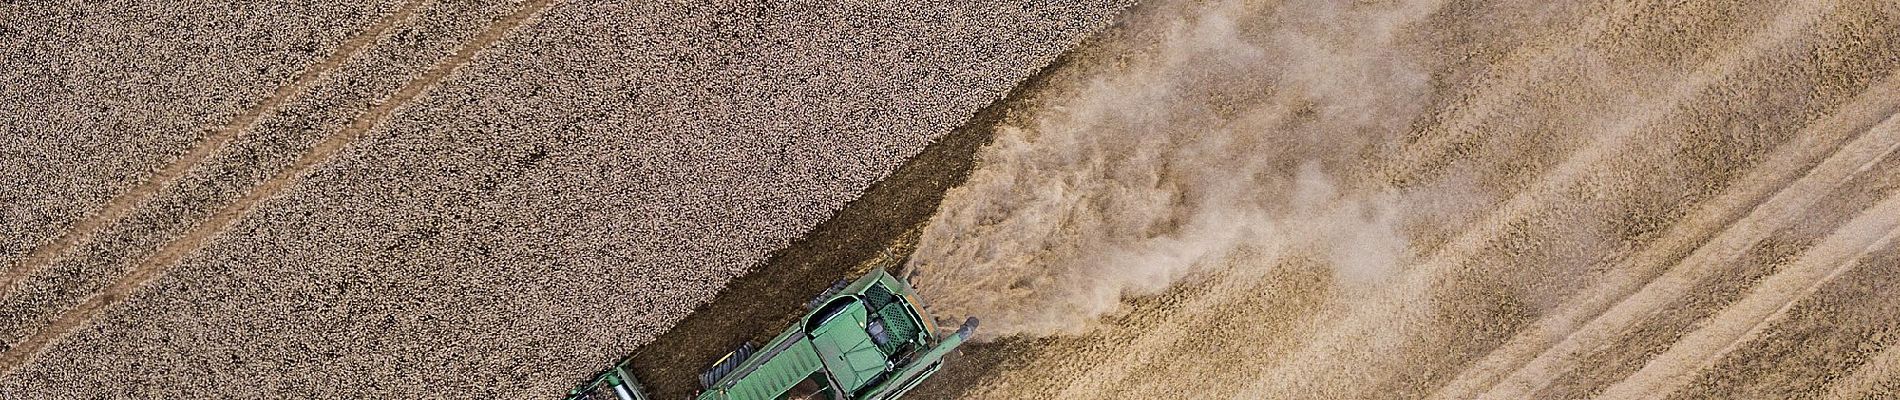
(117, 208)
(171, 252)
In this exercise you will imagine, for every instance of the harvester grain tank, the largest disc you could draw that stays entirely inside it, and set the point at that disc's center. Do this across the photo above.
(869, 339)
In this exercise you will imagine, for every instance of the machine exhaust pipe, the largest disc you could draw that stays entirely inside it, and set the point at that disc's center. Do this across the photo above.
(968, 328)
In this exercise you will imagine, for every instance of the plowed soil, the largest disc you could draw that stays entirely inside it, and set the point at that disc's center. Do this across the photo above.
(424, 199)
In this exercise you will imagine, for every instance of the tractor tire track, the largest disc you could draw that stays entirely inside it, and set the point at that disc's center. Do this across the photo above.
(1547, 190)
(270, 145)
(1824, 337)
(1785, 208)
(118, 207)
(1767, 304)
(1692, 235)
(175, 250)
(1579, 165)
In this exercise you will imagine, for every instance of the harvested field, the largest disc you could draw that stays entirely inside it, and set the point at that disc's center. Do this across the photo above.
(492, 198)
(1440, 199)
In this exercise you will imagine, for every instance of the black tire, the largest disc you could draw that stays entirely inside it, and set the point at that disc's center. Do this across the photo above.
(725, 366)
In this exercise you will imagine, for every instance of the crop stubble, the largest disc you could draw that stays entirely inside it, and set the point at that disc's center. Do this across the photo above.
(534, 211)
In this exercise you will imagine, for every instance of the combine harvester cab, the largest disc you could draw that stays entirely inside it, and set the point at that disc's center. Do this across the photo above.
(870, 339)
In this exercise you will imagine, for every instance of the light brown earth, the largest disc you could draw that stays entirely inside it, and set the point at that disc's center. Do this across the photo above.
(1619, 199)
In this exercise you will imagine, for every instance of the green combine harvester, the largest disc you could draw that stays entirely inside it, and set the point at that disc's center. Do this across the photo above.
(870, 339)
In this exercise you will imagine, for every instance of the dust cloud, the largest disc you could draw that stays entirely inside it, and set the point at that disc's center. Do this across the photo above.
(1237, 136)
(1449, 200)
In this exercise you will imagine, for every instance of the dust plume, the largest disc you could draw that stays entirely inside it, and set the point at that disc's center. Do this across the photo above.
(1233, 139)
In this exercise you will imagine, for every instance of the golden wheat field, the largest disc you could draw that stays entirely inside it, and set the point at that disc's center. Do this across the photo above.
(1441, 200)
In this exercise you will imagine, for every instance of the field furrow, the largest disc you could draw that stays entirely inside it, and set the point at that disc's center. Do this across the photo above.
(1767, 304)
(1560, 334)
(122, 204)
(1549, 191)
(171, 252)
(271, 144)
